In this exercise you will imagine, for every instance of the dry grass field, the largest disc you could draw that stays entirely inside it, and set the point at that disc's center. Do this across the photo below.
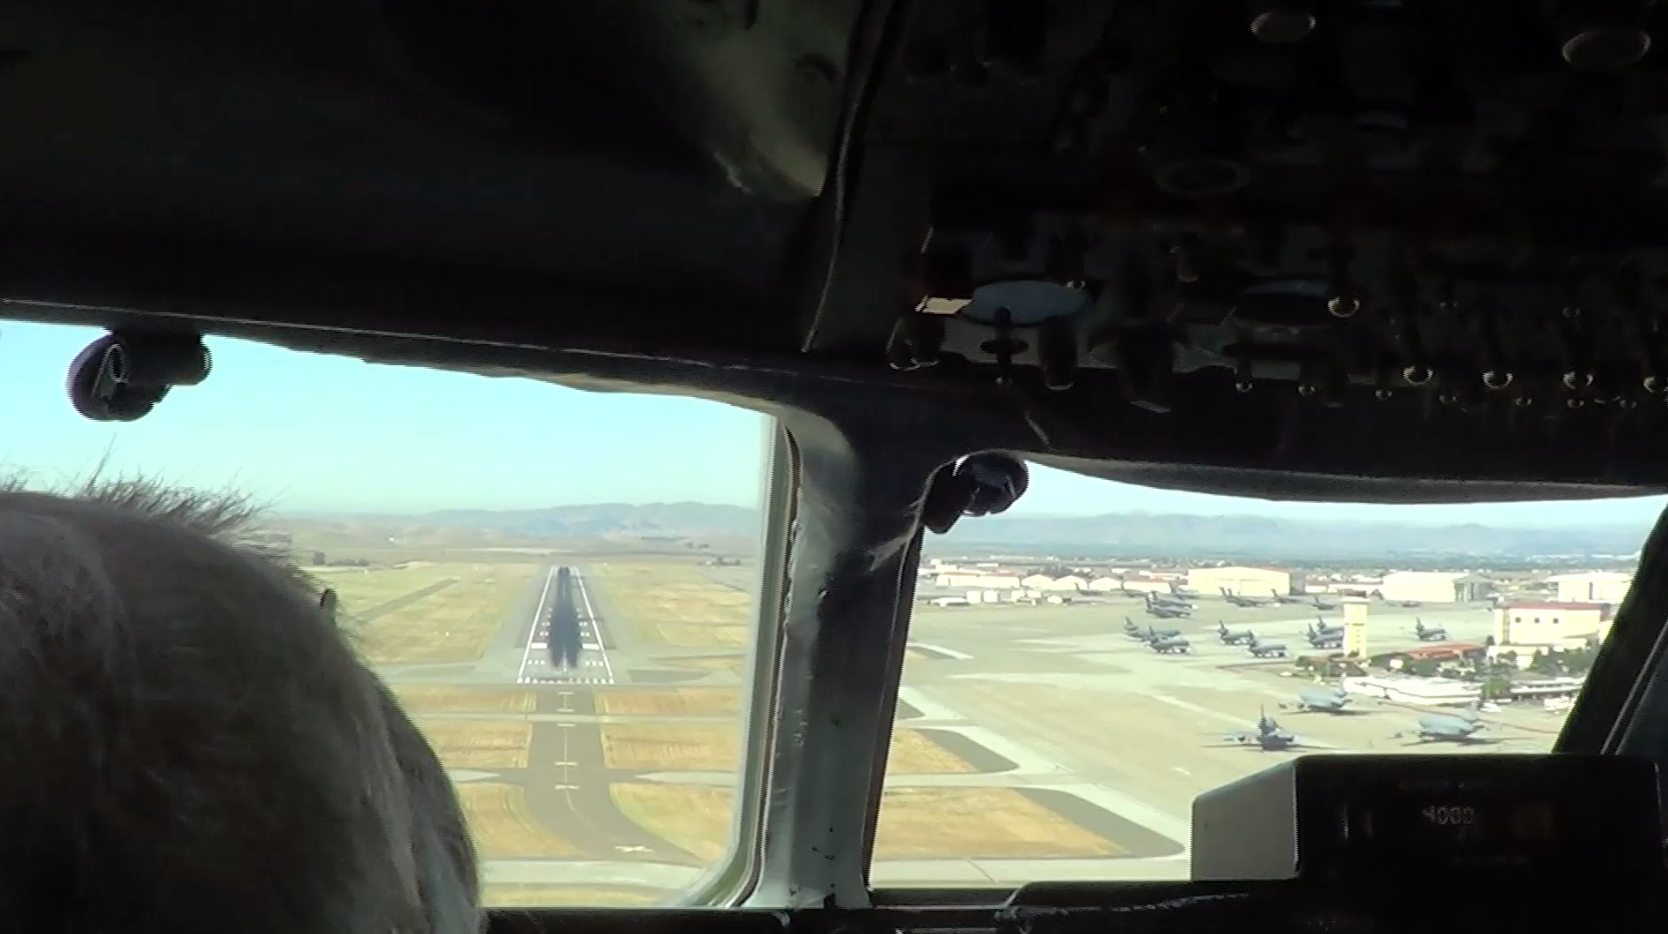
(934, 823)
(672, 603)
(993, 823)
(362, 589)
(695, 818)
(554, 896)
(735, 664)
(696, 635)
(448, 698)
(502, 826)
(671, 702)
(678, 747)
(914, 754)
(714, 747)
(479, 744)
(452, 625)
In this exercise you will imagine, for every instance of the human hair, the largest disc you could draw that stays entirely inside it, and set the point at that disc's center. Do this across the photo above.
(194, 745)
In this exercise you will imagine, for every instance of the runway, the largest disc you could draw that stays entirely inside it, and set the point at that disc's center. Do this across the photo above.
(537, 665)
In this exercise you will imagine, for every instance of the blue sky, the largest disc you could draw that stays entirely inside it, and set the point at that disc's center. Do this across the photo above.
(321, 433)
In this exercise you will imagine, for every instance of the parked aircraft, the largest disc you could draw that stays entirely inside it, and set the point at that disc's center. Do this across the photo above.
(1171, 598)
(1170, 645)
(1287, 598)
(1168, 610)
(1155, 635)
(1433, 634)
(1266, 649)
(1322, 637)
(1149, 634)
(1268, 736)
(1321, 700)
(1181, 591)
(1320, 604)
(1229, 637)
(1461, 727)
(1240, 600)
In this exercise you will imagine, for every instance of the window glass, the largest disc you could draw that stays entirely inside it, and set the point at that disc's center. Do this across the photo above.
(1080, 668)
(558, 585)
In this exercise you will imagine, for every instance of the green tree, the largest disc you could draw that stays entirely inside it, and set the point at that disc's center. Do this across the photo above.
(1579, 661)
(1424, 667)
(1496, 688)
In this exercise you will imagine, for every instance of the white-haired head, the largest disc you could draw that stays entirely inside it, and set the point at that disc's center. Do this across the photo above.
(192, 745)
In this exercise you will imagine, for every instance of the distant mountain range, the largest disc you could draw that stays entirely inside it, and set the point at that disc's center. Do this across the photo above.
(647, 521)
(1114, 534)
(1145, 534)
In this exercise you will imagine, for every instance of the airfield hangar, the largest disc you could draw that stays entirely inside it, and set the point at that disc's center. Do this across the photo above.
(1241, 581)
(1591, 586)
(1435, 586)
(1529, 626)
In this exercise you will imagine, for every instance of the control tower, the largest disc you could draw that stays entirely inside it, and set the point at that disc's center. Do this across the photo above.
(1355, 627)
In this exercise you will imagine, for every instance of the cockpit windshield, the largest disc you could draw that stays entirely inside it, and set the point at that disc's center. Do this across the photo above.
(558, 585)
(1083, 666)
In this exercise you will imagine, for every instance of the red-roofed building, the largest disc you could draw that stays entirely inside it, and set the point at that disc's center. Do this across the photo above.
(1443, 651)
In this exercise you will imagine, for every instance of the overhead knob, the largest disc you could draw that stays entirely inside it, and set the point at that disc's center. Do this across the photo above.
(1281, 22)
(1601, 35)
(1606, 48)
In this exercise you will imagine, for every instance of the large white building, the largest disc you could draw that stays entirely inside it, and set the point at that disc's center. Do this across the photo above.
(1551, 624)
(1131, 584)
(1591, 586)
(1434, 586)
(1241, 581)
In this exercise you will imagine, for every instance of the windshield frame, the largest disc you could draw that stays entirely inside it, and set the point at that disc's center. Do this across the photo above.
(858, 511)
(732, 879)
(1628, 712)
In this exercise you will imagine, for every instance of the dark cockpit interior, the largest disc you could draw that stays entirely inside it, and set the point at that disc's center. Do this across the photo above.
(1372, 254)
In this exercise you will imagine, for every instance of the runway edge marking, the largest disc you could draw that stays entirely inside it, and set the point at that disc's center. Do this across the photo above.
(538, 614)
(590, 614)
